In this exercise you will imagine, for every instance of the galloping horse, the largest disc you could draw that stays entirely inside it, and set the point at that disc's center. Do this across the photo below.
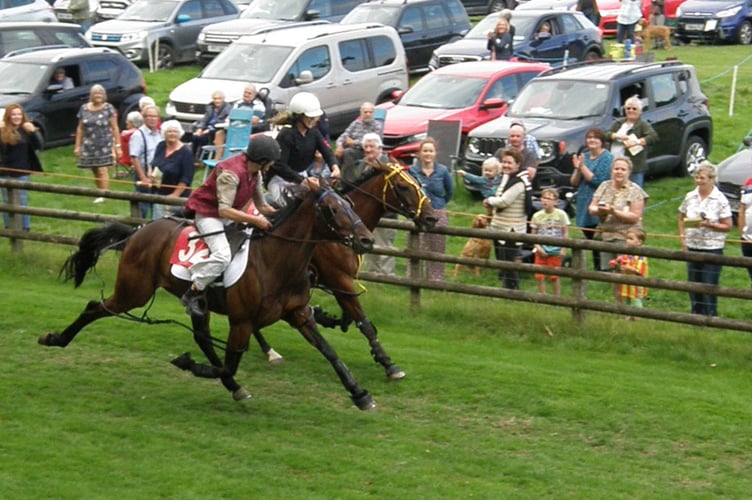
(387, 187)
(274, 286)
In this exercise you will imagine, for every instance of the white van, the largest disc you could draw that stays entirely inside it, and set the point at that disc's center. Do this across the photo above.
(344, 65)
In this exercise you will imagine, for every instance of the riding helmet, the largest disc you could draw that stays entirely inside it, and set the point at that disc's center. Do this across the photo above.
(262, 149)
(305, 103)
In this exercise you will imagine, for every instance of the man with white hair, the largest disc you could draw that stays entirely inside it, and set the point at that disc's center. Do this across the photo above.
(251, 101)
(142, 145)
(349, 144)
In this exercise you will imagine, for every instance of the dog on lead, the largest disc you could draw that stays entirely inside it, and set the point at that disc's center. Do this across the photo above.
(652, 32)
(476, 248)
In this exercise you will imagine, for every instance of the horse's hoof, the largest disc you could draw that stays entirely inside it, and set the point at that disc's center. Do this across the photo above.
(394, 372)
(365, 402)
(48, 339)
(241, 395)
(184, 361)
(274, 358)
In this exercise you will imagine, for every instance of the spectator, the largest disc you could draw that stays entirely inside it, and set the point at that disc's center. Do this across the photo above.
(500, 41)
(704, 220)
(349, 144)
(487, 183)
(634, 265)
(544, 31)
(745, 221)
(591, 168)
(590, 9)
(438, 185)
(507, 14)
(516, 139)
(207, 129)
(298, 141)
(81, 14)
(629, 13)
(19, 140)
(554, 222)
(60, 78)
(630, 137)
(509, 204)
(373, 153)
(132, 121)
(95, 134)
(619, 204)
(252, 101)
(172, 167)
(142, 145)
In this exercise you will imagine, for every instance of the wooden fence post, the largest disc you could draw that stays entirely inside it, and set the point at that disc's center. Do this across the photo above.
(413, 269)
(16, 219)
(579, 285)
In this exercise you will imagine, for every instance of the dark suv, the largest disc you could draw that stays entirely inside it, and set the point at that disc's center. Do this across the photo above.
(26, 79)
(423, 25)
(17, 37)
(558, 106)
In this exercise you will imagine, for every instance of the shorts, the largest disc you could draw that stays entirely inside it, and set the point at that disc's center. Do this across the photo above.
(549, 261)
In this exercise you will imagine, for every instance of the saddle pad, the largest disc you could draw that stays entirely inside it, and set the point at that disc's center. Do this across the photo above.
(189, 250)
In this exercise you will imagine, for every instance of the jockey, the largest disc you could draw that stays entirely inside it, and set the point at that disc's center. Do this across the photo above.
(299, 139)
(225, 197)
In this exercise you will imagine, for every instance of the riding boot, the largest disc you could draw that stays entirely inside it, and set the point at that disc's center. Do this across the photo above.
(195, 302)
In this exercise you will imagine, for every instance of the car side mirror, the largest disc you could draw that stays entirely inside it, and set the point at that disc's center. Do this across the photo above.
(493, 103)
(54, 88)
(747, 141)
(183, 18)
(404, 30)
(305, 77)
(312, 14)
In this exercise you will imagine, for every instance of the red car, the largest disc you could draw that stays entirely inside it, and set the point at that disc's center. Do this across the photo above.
(471, 92)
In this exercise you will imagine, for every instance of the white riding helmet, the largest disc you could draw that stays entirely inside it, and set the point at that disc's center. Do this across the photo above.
(305, 103)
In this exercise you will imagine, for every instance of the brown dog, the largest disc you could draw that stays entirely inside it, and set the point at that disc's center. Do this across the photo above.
(651, 31)
(477, 248)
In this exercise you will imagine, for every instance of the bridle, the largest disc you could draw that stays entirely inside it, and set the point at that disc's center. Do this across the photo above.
(398, 171)
(327, 215)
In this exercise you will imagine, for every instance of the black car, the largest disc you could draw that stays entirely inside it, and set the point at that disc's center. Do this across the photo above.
(558, 106)
(572, 36)
(26, 80)
(423, 25)
(19, 37)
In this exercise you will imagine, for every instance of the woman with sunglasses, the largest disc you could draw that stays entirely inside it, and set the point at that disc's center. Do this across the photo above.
(630, 137)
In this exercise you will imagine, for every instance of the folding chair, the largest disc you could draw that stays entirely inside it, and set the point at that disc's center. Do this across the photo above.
(237, 137)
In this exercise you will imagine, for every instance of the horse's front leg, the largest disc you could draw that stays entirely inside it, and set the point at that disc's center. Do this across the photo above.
(302, 319)
(94, 310)
(351, 307)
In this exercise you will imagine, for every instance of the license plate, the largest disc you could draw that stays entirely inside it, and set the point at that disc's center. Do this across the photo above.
(64, 15)
(694, 27)
(216, 48)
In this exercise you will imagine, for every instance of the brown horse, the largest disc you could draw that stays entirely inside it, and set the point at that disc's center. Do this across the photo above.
(387, 187)
(275, 284)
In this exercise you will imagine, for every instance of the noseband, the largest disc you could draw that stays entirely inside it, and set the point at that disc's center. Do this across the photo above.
(397, 171)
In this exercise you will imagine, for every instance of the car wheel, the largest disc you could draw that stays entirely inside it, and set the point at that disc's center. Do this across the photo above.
(592, 55)
(694, 153)
(165, 57)
(745, 33)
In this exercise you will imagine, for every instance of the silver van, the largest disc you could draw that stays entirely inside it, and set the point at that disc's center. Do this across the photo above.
(344, 65)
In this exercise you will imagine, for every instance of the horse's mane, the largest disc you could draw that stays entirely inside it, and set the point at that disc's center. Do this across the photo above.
(293, 201)
(376, 170)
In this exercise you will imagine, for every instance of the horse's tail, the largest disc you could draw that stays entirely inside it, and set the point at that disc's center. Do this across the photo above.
(92, 244)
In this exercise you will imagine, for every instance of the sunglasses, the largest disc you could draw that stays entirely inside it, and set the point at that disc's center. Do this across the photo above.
(632, 108)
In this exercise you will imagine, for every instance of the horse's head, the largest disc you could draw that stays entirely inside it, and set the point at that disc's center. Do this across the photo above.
(338, 221)
(402, 194)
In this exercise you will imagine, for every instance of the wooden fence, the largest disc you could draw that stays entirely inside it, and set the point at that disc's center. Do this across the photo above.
(578, 302)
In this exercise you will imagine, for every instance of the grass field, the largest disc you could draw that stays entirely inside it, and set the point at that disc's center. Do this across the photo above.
(502, 399)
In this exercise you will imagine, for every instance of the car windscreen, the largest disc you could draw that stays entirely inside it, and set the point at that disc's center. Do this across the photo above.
(148, 10)
(247, 62)
(481, 29)
(287, 10)
(561, 100)
(19, 79)
(388, 16)
(445, 92)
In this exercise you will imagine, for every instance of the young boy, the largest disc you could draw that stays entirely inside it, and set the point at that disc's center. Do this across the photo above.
(634, 265)
(554, 222)
(489, 182)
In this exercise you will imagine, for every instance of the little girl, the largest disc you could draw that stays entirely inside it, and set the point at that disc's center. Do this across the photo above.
(635, 265)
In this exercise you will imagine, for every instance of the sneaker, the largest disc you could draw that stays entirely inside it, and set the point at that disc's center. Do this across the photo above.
(99, 200)
(194, 302)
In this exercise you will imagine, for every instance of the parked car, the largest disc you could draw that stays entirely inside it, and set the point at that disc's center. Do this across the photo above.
(609, 9)
(557, 108)
(263, 14)
(472, 92)
(18, 37)
(483, 7)
(571, 31)
(715, 20)
(670, 8)
(61, 10)
(111, 9)
(174, 23)
(25, 79)
(344, 65)
(423, 25)
(733, 173)
(26, 10)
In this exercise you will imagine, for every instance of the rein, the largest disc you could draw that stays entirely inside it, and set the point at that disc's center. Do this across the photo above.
(396, 171)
